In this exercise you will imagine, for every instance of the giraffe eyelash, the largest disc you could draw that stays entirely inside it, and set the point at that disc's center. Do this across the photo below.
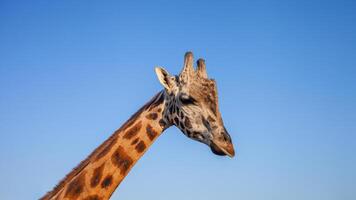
(187, 100)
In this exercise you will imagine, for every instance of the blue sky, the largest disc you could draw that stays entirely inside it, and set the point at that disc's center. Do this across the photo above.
(71, 72)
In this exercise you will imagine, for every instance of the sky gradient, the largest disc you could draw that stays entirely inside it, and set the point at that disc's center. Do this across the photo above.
(71, 72)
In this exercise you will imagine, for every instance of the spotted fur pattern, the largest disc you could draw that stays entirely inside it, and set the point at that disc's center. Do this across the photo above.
(189, 102)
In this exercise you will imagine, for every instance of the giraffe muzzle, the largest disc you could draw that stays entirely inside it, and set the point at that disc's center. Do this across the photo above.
(223, 147)
(223, 151)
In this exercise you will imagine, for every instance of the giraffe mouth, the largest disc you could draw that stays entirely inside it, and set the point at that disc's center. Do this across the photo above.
(222, 150)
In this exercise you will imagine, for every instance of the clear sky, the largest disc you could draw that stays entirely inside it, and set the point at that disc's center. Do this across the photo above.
(71, 72)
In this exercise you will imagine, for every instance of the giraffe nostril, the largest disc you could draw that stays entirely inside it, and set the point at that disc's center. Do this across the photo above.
(226, 136)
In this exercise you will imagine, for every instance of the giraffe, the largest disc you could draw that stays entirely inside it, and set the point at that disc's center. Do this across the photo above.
(189, 101)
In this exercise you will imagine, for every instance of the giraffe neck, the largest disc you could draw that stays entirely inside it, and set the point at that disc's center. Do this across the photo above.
(100, 174)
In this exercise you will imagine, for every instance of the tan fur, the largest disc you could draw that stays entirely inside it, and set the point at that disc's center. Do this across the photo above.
(102, 157)
(189, 101)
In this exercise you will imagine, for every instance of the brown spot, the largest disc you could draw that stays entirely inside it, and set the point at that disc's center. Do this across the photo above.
(189, 134)
(181, 114)
(121, 160)
(181, 125)
(133, 131)
(159, 110)
(174, 108)
(92, 197)
(171, 109)
(196, 134)
(162, 123)
(187, 123)
(152, 116)
(107, 181)
(75, 187)
(171, 119)
(97, 175)
(176, 120)
(150, 132)
(135, 141)
(140, 147)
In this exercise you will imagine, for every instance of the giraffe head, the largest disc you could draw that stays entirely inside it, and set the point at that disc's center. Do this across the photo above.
(191, 104)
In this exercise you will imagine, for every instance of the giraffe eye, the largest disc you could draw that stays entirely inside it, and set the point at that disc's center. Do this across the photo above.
(187, 100)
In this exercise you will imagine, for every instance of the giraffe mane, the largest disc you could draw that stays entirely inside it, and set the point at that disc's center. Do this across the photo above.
(156, 100)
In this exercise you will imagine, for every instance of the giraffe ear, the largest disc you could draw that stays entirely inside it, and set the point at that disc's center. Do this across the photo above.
(164, 78)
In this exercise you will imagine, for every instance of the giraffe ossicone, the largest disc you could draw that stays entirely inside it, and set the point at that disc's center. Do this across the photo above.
(189, 101)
